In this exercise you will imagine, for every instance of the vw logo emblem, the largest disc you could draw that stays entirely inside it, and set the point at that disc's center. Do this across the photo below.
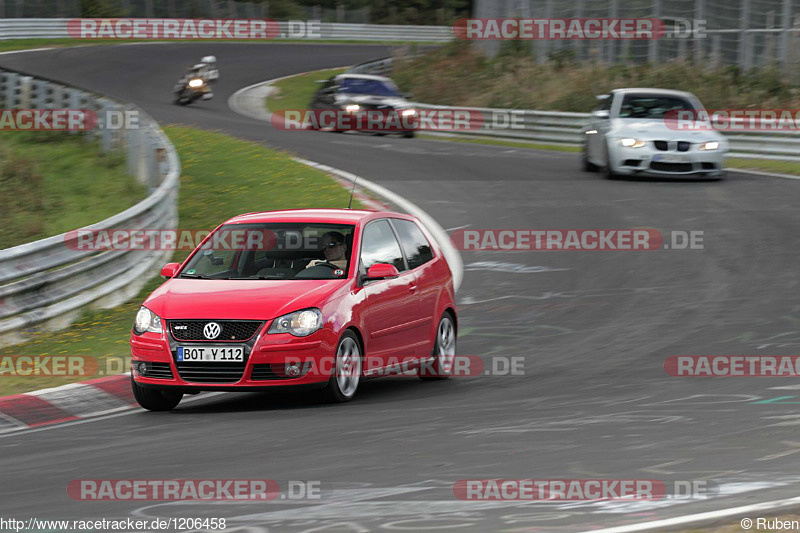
(212, 330)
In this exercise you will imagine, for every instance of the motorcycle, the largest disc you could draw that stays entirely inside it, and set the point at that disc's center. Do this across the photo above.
(190, 90)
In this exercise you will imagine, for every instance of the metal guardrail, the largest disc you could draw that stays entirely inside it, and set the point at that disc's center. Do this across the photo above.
(331, 31)
(565, 128)
(44, 285)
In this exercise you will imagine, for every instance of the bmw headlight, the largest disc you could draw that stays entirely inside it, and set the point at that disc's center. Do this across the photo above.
(197, 82)
(352, 108)
(631, 143)
(146, 320)
(409, 112)
(710, 145)
(300, 323)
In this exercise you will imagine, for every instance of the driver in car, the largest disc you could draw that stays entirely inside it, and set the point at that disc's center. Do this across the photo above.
(334, 248)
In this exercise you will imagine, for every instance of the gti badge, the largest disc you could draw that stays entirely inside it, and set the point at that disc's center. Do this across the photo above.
(212, 330)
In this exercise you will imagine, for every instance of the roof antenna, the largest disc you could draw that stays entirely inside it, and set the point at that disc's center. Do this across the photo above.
(350, 203)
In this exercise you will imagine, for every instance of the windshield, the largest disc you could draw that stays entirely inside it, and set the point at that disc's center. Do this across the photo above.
(274, 251)
(371, 87)
(651, 106)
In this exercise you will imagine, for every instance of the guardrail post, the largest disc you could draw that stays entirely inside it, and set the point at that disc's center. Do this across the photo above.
(25, 83)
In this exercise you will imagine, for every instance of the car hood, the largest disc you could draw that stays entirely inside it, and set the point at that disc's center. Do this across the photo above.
(368, 99)
(238, 299)
(657, 129)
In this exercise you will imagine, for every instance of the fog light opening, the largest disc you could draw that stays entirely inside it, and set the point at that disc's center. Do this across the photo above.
(293, 370)
(141, 369)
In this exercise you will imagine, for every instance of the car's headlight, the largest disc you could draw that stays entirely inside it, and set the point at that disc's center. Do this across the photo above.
(631, 143)
(300, 323)
(146, 320)
(352, 108)
(409, 112)
(195, 83)
(710, 145)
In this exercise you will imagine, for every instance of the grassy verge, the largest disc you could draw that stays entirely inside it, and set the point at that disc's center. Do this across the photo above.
(54, 182)
(296, 92)
(222, 177)
(460, 74)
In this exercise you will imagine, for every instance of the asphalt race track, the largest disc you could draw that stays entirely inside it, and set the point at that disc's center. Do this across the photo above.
(594, 328)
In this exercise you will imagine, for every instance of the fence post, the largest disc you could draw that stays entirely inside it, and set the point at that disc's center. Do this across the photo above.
(786, 24)
(543, 45)
(611, 43)
(652, 52)
(699, 14)
(744, 24)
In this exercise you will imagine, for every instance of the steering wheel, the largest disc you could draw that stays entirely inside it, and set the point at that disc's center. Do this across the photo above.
(330, 265)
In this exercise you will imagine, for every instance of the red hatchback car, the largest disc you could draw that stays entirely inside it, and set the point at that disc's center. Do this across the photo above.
(316, 297)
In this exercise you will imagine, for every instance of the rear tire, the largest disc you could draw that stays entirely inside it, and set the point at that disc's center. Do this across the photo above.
(155, 400)
(444, 351)
(346, 376)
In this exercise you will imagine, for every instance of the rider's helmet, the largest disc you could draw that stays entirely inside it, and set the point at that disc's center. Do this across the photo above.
(211, 61)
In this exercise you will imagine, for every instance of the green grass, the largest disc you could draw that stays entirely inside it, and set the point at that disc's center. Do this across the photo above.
(460, 74)
(296, 92)
(222, 177)
(54, 182)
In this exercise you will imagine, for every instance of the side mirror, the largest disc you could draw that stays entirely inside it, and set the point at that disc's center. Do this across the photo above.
(169, 270)
(408, 96)
(382, 271)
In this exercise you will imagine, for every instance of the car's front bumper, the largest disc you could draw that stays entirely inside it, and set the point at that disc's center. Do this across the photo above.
(264, 366)
(647, 161)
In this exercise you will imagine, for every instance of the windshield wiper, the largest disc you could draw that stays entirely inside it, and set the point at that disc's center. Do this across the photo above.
(195, 276)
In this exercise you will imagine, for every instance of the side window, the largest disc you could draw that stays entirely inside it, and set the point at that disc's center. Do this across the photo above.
(379, 245)
(415, 245)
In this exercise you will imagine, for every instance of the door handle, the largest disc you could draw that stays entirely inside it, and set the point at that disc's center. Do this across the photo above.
(412, 288)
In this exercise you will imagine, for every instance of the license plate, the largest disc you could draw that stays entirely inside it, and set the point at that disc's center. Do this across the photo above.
(669, 158)
(222, 354)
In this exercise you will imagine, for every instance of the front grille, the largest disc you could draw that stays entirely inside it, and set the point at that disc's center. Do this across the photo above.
(683, 146)
(159, 371)
(671, 167)
(232, 330)
(661, 145)
(211, 372)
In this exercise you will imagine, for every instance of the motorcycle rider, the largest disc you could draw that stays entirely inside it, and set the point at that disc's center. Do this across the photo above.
(207, 71)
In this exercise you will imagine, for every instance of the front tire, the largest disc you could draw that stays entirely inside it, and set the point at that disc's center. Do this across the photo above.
(607, 170)
(588, 166)
(155, 400)
(408, 134)
(444, 351)
(346, 376)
